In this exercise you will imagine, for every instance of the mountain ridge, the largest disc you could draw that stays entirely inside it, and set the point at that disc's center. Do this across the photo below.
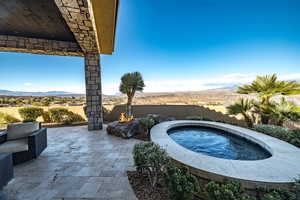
(48, 93)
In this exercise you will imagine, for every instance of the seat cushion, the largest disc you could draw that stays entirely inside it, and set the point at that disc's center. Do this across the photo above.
(14, 146)
(21, 130)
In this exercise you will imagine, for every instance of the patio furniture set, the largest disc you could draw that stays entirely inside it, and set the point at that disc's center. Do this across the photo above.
(21, 142)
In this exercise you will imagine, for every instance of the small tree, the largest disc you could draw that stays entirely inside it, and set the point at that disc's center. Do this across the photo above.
(243, 107)
(285, 111)
(130, 83)
(266, 87)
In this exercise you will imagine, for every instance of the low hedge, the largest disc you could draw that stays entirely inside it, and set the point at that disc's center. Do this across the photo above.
(285, 134)
(227, 191)
(46, 116)
(7, 119)
(63, 115)
(30, 114)
(72, 117)
(57, 115)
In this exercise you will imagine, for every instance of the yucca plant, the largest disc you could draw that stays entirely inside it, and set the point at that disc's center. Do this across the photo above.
(130, 83)
(244, 107)
(267, 87)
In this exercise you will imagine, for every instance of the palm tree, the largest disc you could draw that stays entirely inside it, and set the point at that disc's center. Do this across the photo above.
(285, 111)
(130, 83)
(244, 107)
(267, 87)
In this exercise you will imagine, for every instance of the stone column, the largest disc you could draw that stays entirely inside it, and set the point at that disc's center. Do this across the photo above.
(93, 91)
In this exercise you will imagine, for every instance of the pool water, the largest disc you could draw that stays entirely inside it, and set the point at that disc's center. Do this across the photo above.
(217, 143)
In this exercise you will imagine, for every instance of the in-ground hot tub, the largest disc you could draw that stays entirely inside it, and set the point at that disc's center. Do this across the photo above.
(218, 151)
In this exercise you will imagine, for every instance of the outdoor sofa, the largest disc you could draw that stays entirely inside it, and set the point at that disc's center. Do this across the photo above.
(25, 141)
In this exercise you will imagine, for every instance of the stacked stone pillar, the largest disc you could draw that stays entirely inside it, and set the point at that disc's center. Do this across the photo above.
(93, 91)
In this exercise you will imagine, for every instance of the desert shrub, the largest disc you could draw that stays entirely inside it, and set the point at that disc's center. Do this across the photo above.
(294, 137)
(63, 115)
(198, 118)
(285, 134)
(30, 114)
(147, 122)
(181, 183)
(272, 196)
(297, 187)
(72, 117)
(227, 191)
(154, 117)
(46, 117)
(272, 130)
(7, 119)
(278, 194)
(151, 160)
(58, 115)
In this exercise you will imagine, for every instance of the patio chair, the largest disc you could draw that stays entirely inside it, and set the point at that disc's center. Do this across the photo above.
(25, 141)
(6, 170)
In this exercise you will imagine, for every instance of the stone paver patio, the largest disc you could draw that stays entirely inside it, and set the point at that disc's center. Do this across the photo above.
(77, 164)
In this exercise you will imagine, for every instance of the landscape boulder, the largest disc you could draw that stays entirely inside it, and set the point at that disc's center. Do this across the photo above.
(134, 128)
(127, 129)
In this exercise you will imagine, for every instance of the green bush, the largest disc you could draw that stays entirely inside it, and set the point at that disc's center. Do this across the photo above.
(8, 119)
(285, 134)
(228, 191)
(72, 117)
(151, 160)
(278, 194)
(58, 115)
(30, 114)
(63, 115)
(46, 117)
(181, 183)
(148, 123)
(197, 118)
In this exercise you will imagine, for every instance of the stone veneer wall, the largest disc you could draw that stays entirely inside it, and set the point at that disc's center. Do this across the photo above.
(93, 91)
(39, 46)
(78, 18)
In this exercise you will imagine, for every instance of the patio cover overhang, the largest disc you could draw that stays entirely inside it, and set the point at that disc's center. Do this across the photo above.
(84, 28)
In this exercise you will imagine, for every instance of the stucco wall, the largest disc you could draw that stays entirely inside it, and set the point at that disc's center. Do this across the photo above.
(177, 111)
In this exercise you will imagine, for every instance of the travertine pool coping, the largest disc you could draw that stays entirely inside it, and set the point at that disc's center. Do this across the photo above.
(279, 170)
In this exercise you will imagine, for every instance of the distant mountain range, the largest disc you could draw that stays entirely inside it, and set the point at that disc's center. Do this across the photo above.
(49, 93)
(70, 94)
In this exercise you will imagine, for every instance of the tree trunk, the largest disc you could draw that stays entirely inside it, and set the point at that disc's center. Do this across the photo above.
(248, 120)
(128, 107)
(265, 119)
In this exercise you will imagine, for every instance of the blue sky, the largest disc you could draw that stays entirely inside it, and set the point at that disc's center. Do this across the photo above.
(178, 45)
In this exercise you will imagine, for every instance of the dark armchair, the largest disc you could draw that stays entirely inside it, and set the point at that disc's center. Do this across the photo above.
(6, 170)
(25, 141)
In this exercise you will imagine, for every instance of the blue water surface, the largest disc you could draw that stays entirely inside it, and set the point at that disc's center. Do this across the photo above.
(217, 143)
